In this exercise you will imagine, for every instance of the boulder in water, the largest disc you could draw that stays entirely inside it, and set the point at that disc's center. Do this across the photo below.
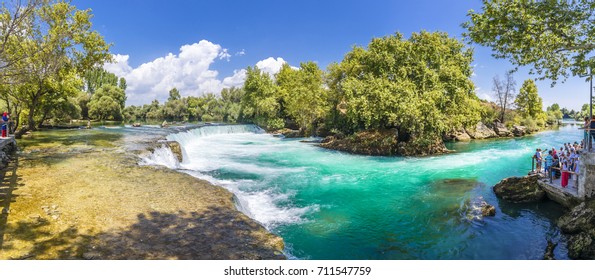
(176, 149)
(501, 130)
(487, 210)
(460, 135)
(518, 130)
(481, 131)
(520, 189)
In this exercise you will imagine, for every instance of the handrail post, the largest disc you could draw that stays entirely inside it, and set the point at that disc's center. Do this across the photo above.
(550, 171)
(533, 165)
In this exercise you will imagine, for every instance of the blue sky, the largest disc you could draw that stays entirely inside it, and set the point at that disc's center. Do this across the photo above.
(202, 46)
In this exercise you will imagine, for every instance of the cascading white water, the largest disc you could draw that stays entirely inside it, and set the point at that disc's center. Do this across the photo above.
(211, 151)
(161, 156)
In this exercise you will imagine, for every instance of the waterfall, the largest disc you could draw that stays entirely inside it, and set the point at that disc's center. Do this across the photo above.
(185, 138)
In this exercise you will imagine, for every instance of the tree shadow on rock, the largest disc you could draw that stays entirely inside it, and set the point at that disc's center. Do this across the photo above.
(217, 233)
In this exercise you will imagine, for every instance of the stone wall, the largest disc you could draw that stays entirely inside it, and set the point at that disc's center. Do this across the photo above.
(7, 147)
(586, 180)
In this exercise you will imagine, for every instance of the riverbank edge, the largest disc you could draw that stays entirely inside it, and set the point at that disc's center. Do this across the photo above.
(385, 142)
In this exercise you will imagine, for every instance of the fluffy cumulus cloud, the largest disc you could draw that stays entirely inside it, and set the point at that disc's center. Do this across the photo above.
(189, 71)
(271, 65)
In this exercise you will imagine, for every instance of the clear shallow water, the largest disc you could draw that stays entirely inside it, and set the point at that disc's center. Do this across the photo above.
(332, 205)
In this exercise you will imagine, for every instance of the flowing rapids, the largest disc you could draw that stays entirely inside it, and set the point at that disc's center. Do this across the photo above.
(333, 205)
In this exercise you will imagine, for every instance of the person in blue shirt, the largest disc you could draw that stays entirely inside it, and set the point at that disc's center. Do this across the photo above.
(549, 161)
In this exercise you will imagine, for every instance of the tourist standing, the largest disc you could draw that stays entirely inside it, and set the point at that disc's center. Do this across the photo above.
(4, 125)
(549, 161)
(565, 174)
(537, 157)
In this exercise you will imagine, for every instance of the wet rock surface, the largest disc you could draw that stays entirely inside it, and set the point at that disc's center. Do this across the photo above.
(579, 224)
(520, 189)
(481, 131)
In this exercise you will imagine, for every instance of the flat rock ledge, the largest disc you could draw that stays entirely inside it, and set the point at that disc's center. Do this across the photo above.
(520, 189)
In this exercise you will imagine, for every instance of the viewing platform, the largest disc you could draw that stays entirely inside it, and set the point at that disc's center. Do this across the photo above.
(567, 196)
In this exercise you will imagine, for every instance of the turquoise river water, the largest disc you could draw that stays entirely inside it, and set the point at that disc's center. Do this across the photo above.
(332, 205)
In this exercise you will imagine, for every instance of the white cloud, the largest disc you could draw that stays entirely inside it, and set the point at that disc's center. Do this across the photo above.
(241, 53)
(189, 71)
(120, 65)
(271, 65)
(485, 95)
(236, 80)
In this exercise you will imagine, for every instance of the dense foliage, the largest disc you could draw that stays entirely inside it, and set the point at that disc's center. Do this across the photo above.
(421, 86)
(47, 48)
(556, 38)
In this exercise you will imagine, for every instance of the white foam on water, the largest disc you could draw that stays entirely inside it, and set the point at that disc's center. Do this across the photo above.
(235, 149)
(262, 205)
(161, 156)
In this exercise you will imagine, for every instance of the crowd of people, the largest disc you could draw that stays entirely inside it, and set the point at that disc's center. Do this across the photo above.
(562, 163)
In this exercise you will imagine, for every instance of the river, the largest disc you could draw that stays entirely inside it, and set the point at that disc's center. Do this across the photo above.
(332, 205)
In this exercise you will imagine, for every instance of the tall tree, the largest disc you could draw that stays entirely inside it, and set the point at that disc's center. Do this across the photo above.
(504, 92)
(528, 101)
(59, 48)
(260, 103)
(174, 94)
(556, 38)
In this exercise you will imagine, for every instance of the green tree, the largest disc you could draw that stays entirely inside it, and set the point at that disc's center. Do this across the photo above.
(528, 101)
(421, 86)
(554, 113)
(305, 100)
(105, 96)
(105, 108)
(260, 103)
(56, 48)
(174, 94)
(554, 37)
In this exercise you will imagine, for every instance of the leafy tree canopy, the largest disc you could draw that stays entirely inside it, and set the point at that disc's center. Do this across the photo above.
(556, 38)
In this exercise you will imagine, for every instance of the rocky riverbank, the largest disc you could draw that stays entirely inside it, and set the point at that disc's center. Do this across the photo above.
(386, 142)
(381, 142)
(80, 195)
(578, 224)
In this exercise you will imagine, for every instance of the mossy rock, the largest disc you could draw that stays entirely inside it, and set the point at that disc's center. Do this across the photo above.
(582, 246)
(580, 218)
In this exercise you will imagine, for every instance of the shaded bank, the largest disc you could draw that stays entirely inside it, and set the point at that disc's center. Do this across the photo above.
(80, 195)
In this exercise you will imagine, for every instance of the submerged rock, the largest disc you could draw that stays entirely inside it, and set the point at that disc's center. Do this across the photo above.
(520, 189)
(481, 131)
